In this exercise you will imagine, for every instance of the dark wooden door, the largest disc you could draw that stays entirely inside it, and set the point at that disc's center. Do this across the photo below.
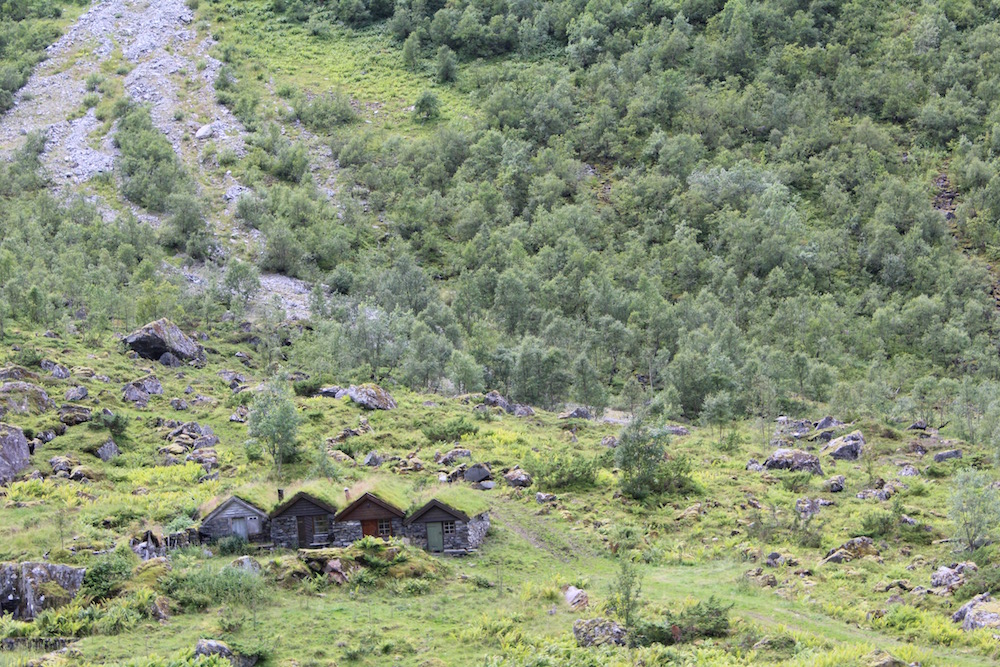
(369, 527)
(305, 531)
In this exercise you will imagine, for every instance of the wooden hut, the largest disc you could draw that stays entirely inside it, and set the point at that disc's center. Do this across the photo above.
(235, 516)
(368, 515)
(441, 528)
(302, 521)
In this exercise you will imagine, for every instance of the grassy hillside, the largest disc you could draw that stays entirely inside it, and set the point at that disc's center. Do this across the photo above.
(505, 601)
(696, 213)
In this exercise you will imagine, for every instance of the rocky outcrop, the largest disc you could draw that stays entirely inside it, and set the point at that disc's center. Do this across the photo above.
(58, 371)
(139, 391)
(793, 460)
(981, 611)
(576, 598)
(161, 337)
(452, 457)
(828, 422)
(835, 484)
(852, 549)
(494, 400)
(14, 452)
(214, 647)
(598, 632)
(950, 454)
(477, 473)
(24, 398)
(28, 588)
(948, 579)
(371, 396)
(77, 393)
(74, 415)
(517, 477)
(846, 448)
(17, 374)
(576, 413)
(108, 451)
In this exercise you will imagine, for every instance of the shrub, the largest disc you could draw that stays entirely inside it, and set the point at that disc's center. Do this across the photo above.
(178, 523)
(106, 574)
(150, 169)
(427, 106)
(796, 482)
(702, 620)
(307, 387)
(451, 430)
(324, 112)
(563, 469)
(232, 545)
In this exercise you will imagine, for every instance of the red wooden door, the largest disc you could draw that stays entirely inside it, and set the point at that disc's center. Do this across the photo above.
(369, 527)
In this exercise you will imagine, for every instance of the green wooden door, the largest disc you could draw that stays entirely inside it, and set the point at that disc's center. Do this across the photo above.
(435, 536)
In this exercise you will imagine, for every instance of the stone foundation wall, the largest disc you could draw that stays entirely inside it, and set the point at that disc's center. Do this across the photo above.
(478, 527)
(285, 532)
(344, 533)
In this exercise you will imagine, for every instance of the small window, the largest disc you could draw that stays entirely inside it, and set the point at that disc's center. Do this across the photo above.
(321, 525)
(251, 518)
(449, 527)
(384, 528)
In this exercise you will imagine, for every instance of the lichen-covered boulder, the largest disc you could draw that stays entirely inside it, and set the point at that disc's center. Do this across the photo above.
(517, 477)
(371, 396)
(157, 338)
(598, 632)
(793, 460)
(214, 647)
(24, 398)
(17, 373)
(981, 611)
(74, 415)
(77, 393)
(14, 452)
(28, 588)
(139, 391)
(495, 400)
(852, 549)
(576, 413)
(846, 448)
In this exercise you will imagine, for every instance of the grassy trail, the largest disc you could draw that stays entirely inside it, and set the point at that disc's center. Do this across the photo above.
(772, 612)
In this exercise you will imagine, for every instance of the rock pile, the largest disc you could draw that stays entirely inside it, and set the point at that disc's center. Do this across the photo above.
(793, 460)
(192, 441)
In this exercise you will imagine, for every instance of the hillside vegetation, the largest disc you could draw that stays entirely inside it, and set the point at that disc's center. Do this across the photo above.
(704, 225)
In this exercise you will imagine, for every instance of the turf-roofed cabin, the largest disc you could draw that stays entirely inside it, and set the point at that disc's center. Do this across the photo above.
(235, 516)
(440, 528)
(368, 515)
(301, 522)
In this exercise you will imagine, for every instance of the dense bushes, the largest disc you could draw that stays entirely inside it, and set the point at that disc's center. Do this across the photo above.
(681, 203)
(451, 430)
(151, 171)
(561, 470)
(698, 621)
(106, 574)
